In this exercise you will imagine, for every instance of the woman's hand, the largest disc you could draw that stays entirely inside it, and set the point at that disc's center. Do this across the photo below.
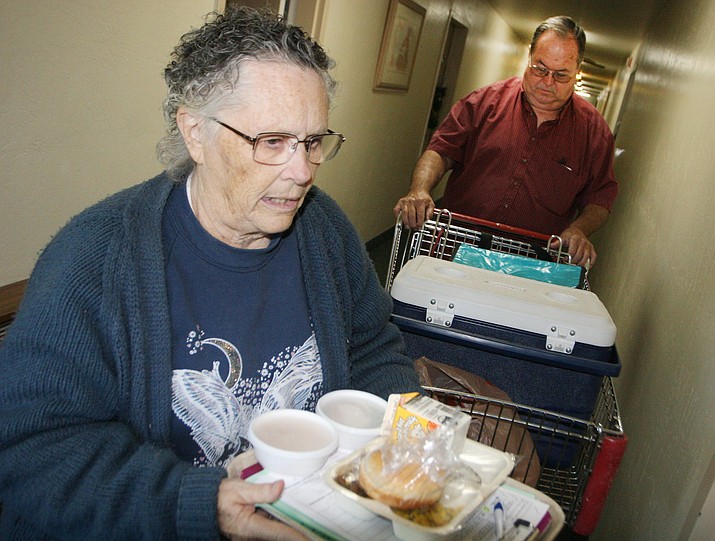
(238, 518)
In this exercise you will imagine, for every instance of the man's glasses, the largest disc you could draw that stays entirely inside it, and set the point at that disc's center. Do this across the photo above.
(541, 71)
(275, 148)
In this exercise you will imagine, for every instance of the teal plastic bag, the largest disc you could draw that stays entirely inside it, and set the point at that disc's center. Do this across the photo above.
(516, 265)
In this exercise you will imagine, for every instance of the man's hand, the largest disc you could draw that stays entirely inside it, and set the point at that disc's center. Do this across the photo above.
(579, 247)
(238, 518)
(416, 207)
(575, 236)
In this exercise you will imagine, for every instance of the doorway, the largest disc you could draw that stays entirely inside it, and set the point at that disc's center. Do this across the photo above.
(443, 96)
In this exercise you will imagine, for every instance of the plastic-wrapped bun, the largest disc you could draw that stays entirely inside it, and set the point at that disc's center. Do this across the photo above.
(412, 473)
(408, 487)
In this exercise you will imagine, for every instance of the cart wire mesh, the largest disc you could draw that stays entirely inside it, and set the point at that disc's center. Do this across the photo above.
(566, 446)
(441, 236)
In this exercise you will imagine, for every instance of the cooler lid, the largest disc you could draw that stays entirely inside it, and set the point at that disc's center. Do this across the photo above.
(558, 312)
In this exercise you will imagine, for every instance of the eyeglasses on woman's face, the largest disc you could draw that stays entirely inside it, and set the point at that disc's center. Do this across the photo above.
(277, 148)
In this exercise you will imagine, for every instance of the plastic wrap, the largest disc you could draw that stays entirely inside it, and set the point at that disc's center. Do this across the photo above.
(418, 471)
(486, 426)
(463, 490)
(516, 265)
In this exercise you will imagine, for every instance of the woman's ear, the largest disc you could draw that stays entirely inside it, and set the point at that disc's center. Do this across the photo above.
(189, 125)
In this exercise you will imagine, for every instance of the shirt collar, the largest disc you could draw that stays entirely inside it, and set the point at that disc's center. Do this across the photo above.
(568, 106)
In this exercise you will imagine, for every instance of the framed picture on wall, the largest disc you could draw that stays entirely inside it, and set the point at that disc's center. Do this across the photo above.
(399, 45)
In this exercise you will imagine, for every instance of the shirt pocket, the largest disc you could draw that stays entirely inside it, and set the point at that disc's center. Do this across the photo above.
(559, 184)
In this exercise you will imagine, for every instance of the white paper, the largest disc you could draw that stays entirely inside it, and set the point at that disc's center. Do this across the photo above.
(311, 503)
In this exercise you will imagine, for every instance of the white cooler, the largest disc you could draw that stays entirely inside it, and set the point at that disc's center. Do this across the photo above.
(547, 345)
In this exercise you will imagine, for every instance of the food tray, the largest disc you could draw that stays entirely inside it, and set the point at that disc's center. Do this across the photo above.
(492, 466)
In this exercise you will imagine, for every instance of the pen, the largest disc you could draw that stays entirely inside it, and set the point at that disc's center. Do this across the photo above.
(499, 519)
(562, 161)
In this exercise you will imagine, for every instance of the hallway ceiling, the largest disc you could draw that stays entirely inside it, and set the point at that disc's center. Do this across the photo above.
(613, 27)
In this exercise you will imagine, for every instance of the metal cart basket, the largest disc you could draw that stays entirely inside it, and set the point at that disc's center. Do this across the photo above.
(441, 236)
(577, 458)
(578, 482)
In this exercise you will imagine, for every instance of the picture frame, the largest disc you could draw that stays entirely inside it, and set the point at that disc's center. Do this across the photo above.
(400, 40)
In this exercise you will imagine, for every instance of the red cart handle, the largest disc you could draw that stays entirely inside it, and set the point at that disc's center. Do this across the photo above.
(496, 226)
(599, 483)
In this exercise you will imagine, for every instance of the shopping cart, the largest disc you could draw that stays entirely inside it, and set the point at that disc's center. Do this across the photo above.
(442, 235)
(576, 458)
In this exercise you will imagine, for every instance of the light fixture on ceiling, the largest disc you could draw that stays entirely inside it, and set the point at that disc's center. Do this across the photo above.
(592, 62)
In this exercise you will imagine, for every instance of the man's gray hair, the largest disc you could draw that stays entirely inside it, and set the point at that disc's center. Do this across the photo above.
(206, 66)
(565, 27)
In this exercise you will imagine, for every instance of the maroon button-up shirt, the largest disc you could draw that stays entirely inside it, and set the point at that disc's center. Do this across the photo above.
(508, 171)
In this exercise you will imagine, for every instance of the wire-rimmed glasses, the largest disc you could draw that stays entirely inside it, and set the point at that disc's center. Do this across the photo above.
(276, 148)
(559, 76)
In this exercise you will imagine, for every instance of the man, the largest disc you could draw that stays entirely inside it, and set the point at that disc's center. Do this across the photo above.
(525, 152)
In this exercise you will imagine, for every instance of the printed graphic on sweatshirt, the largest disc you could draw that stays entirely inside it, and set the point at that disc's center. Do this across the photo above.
(218, 409)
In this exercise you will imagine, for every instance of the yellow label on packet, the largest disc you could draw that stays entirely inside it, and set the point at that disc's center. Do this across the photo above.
(406, 422)
(409, 412)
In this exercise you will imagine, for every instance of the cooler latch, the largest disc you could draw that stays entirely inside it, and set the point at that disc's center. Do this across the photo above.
(560, 339)
(440, 312)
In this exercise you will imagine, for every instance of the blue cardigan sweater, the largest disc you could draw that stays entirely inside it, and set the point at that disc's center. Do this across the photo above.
(85, 403)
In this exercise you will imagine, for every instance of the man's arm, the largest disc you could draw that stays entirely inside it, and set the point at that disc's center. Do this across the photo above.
(418, 205)
(575, 236)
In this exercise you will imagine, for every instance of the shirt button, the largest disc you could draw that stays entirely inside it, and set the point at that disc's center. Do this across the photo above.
(506, 205)
(524, 160)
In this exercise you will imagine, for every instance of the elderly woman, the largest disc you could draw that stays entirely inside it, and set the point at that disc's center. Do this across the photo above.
(160, 321)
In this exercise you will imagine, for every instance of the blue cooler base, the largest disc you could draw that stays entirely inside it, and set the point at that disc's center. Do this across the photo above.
(564, 384)
(562, 391)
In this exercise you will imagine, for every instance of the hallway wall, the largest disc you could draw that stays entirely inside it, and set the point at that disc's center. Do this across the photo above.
(82, 107)
(654, 274)
(385, 129)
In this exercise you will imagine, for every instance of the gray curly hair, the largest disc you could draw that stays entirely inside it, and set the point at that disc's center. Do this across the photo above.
(206, 65)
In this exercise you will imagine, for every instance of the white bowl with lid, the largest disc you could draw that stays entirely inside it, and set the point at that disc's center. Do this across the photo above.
(292, 442)
(357, 416)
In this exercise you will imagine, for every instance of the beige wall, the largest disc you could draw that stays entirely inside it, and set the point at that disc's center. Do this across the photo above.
(83, 89)
(80, 109)
(655, 273)
(385, 129)
(611, 101)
